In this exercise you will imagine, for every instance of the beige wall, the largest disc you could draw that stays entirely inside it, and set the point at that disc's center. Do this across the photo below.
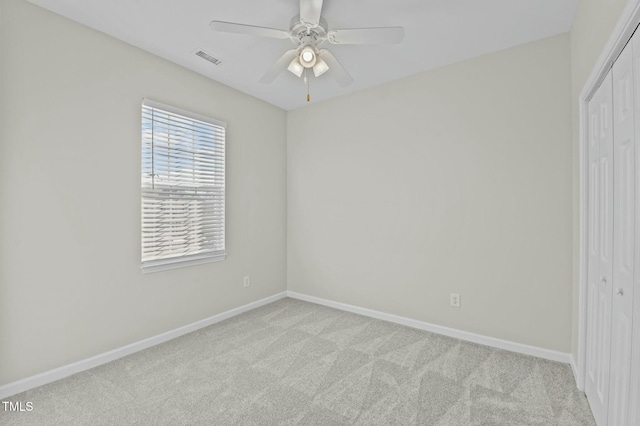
(70, 279)
(455, 180)
(593, 24)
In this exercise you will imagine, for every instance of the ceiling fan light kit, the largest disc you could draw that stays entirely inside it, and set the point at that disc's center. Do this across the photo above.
(308, 31)
(296, 67)
(320, 67)
(307, 57)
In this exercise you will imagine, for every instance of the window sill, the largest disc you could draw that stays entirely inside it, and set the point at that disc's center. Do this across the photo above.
(165, 265)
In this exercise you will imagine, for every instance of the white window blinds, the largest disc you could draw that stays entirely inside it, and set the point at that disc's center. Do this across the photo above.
(183, 199)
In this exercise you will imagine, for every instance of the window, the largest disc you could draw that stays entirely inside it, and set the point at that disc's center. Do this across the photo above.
(183, 196)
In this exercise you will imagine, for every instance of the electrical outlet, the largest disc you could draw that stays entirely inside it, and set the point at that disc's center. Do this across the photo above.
(455, 300)
(247, 280)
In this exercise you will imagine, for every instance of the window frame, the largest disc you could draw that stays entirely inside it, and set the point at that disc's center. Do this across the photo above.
(174, 262)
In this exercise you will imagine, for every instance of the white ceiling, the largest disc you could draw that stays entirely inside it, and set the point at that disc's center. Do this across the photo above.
(437, 33)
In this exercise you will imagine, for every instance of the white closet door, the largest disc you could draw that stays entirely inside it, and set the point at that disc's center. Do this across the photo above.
(623, 236)
(593, 243)
(634, 403)
(600, 250)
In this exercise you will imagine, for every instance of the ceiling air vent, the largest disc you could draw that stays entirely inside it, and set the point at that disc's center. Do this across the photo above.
(204, 55)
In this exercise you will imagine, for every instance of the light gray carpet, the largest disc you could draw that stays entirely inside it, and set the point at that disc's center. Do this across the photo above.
(293, 362)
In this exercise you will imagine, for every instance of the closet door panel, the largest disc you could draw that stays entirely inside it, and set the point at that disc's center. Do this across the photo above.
(601, 260)
(623, 236)
(593, 242)
(634, 397)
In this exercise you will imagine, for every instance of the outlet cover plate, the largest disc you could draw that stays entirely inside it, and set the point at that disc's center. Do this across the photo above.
(455, 300)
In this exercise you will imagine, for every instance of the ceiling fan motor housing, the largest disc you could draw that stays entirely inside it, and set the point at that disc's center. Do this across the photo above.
(301, 30)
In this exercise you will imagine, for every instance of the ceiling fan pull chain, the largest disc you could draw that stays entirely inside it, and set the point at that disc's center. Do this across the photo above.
(307, 79)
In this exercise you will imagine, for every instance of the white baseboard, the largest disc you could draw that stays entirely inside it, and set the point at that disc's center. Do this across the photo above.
(434, 328)
(574, 370)
(94, 361)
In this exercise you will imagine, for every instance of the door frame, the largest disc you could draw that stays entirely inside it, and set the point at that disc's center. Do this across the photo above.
(627, 23)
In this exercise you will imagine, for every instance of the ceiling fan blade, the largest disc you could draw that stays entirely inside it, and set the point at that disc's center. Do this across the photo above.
(232, 27)
(384, 35)
(336, 71)
(280, 65)
(310, 11)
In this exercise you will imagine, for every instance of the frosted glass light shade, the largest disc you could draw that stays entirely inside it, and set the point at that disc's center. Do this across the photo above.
(295, 67)
(320, 67)
(307, 57)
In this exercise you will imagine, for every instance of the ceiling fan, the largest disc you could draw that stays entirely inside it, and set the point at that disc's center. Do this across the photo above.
(308, 31)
